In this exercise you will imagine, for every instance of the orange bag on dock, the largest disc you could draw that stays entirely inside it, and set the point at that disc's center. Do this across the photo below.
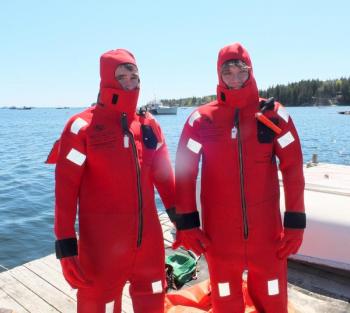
(196, 299)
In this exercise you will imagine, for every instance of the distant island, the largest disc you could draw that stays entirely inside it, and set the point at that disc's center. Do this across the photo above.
(18, 108)
(313, 92)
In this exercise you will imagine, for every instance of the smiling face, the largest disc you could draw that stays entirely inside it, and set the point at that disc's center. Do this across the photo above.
(234, 73)
(128, 76)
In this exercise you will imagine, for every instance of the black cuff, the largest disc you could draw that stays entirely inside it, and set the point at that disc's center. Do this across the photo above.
(66, 247)
(172, 214)
(294, 220)
(187, 221)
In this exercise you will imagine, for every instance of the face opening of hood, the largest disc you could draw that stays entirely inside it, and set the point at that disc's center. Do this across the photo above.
(112, 95)
(248, 93)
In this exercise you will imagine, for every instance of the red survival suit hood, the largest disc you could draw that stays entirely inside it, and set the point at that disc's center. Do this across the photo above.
(248, 94)
(112, 96)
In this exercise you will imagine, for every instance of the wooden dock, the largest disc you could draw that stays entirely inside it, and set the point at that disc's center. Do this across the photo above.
(39, 287)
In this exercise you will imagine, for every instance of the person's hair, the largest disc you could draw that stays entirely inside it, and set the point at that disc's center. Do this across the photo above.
(239, 63)
(128, 66)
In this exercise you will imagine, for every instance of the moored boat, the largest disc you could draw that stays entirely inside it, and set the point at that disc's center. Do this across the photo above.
(158, 108)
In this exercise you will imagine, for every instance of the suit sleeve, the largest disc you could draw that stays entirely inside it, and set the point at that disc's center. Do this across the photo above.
(163, 175)
(186, 171)
(70, 166)
(288, 151)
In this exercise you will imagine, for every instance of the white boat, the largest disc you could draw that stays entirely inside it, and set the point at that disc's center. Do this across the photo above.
(327, 204)
(158, 108)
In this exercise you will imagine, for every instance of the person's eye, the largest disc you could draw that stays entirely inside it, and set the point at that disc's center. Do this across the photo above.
(120, 77)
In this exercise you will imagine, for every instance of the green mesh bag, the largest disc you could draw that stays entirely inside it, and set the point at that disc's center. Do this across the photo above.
(181, 268)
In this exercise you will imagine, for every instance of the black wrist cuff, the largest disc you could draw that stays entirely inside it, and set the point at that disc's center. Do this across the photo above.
(66, 247)
(172, 214)
(294, 220)
(187, 221)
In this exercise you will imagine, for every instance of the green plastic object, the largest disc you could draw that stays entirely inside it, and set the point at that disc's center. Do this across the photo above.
(184, 267)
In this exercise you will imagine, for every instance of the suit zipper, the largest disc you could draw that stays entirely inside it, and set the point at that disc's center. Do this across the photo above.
(128, 133)
(241, 175)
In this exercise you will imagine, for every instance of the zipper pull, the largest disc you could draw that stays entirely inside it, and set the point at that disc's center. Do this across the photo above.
(124, 122)
(125, 128)
(234, 132)
(235, 124)
(236, 121)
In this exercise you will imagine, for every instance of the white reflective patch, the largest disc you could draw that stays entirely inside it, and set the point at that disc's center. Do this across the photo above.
(224, 289)
(193, 145)
(126, 141)
(159, 144)
(157, 287)
(285, 140)
(76, 157)
(282, 112)
(234, 132)
(109, 307)
(195, 115)
(272, 287)
(78, 124)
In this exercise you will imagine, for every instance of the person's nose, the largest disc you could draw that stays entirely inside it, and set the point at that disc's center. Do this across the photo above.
(128, 84)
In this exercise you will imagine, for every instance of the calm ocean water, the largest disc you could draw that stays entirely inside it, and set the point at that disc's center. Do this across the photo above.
(27, 184)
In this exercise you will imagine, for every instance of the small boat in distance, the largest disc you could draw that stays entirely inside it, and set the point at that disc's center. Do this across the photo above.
(157, 107)
(344, 112)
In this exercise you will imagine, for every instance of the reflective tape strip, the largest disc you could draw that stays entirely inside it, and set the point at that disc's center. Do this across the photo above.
(272, 287)
(195, 115)
(78, 124)
(109, 308)
(234, 132)
(285, 140)
(157, 287)
(282, 112)
(76, 157)
(159, 144)
(224, 289)
(126, 141)
(193, 145)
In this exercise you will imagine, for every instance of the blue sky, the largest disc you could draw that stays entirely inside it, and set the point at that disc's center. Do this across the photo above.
(50, 50)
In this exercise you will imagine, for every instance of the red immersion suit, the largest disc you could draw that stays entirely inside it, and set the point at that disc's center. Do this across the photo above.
(240, 192)
(108, 162)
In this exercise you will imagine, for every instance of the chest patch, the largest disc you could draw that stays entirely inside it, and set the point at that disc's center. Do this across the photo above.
(266, 134)
(148, 137)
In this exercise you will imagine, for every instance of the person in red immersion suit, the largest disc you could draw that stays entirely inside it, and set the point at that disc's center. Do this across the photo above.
(108, 161)
(238, 138)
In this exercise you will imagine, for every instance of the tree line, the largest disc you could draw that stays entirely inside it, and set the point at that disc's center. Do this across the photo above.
(302, 93)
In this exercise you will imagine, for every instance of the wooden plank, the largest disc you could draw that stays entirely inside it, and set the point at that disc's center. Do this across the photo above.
(44, 290)
(51, 261)
(168, 237)
(309, 302)
(168, 231)
(23, 295)
(52, 277)
(7, 302)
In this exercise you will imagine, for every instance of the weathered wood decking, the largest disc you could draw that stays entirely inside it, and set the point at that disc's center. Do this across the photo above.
(39, 286)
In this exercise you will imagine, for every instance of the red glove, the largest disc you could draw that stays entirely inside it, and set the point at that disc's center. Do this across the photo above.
(73, 273)
(192, 239)
(290, 242)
